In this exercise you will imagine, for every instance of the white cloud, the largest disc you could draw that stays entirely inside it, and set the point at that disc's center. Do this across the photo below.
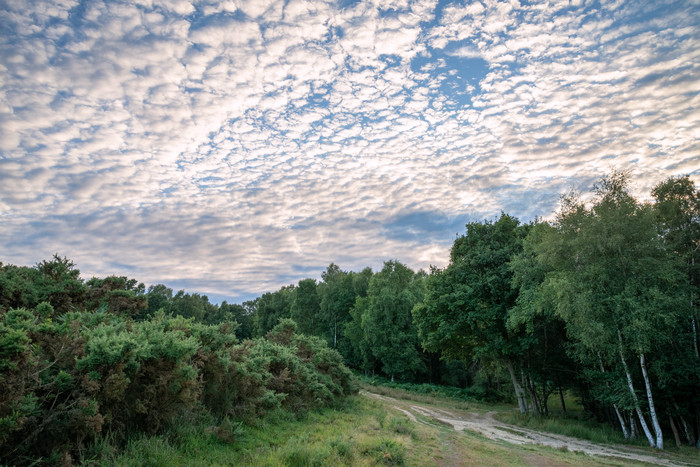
(230, 141)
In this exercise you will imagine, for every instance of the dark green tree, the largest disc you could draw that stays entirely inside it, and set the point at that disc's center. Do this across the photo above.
(466, 304)
(159, 297)
(618, 289)
(387, 322)
(337, 296)
(546, 363)
(306, 308)
(271, 307)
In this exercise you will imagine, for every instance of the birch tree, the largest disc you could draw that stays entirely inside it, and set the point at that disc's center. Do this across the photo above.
(617, 285)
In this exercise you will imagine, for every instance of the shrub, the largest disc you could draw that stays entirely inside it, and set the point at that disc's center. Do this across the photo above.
(65, 380)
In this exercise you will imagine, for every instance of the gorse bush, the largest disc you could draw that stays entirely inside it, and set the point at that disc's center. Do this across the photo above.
(68, 380)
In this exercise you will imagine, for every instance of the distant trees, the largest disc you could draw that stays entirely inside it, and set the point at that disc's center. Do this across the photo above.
(382, 329)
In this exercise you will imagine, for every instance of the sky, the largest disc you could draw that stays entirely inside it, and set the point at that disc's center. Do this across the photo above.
(233, 147)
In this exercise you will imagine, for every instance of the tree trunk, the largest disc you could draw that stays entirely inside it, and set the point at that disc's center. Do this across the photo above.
(561, 399)
(695, 338)
(545, 408)
(633, 426)
(643, 422)
(533, 395)
(623, 425)
(518, 390)
(675, 431)
(695, 333)
(686, 430)
(652, 409)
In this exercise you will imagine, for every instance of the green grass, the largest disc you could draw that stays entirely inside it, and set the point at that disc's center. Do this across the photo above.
(569, 425)
(360, 432)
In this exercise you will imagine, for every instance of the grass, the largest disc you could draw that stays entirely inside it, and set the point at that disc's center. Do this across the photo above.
(569, 426)
(361, 432)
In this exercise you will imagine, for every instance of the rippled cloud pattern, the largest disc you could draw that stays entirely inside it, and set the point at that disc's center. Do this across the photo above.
(231, 147)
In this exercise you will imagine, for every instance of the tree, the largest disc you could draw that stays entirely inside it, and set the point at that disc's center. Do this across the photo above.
(466, 304)
(271, 307)
(305, 309)
(546, 362)
(337, 297)
(678, 209)
(192, 305)
(159, 297)
(387, 323)
(617, 287)
(239, 314)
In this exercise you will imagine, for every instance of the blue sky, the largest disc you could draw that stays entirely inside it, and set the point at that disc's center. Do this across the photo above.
(232, 147)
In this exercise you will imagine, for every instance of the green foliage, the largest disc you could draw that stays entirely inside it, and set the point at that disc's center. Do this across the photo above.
(306, 307)
(67, 380)
(387, 324)
(386, 451)
(466, 304)
(118, 295)
(271, 307)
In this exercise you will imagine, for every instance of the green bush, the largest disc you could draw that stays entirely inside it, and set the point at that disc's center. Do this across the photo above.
(66, 381)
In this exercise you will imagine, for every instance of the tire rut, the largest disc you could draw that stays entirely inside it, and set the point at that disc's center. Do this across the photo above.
(488, 426)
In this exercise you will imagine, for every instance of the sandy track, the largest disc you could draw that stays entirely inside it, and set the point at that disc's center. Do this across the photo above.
(485, 424)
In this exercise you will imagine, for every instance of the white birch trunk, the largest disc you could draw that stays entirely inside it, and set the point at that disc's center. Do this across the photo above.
(652, 409)
(517, 388)
(643, 422)
(633, 426)
(622, 422)
(617, 410)
(686, 431)
(695, 335)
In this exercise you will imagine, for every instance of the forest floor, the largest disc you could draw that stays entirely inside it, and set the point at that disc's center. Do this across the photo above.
(484, 423)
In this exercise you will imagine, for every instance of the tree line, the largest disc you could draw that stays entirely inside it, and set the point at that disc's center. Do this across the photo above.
(599, 301)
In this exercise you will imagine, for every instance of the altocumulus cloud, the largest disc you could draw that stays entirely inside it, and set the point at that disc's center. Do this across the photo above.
(231, 147)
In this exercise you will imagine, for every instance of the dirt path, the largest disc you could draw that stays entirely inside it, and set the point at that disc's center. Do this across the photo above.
(485, 424)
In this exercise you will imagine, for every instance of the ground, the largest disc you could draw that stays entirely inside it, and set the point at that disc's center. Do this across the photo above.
(486, 425)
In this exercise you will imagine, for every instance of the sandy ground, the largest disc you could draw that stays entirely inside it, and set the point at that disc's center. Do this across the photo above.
(485, 424)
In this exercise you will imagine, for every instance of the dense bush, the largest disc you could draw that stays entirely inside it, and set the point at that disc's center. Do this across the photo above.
(67, 380)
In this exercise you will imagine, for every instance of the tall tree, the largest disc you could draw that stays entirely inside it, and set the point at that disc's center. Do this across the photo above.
(337, 297)
(306, 308)
(678, 209)
(617, 286)
(546, 362)
(466, 304)
(271, 307)
(387, 321)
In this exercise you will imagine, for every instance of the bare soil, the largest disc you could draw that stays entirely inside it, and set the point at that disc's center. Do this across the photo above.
(488, 426)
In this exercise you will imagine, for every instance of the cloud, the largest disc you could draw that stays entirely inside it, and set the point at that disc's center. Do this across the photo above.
(236, 146)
